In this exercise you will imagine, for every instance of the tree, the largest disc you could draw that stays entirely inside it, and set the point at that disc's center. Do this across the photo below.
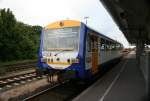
(7, 23)
(17, 40)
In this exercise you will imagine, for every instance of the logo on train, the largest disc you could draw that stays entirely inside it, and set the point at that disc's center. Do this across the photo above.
(61, 24)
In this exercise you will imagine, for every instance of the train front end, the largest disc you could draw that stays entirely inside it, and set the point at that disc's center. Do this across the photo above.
(60, 47)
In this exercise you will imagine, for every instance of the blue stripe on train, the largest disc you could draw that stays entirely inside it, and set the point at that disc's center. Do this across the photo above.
(40, 64)
(82, 73)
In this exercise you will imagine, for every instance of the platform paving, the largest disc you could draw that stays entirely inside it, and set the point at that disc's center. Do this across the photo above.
(124, 82)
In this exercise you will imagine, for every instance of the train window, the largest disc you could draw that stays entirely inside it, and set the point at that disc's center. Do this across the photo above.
(92, 42)
(99, 44)
(107, 45)
(118, 46)
(89, 43)
(102, 47)
(112, 46)
(61, 39)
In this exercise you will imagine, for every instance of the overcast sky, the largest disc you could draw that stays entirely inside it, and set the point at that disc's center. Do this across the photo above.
(43, 12)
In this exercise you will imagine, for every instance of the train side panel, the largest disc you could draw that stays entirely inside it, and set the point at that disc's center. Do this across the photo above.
(96, 56)
(41, 65)
(109, 55)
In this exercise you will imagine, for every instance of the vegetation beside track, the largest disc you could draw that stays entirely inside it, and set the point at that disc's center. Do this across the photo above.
(16, 62)
(13, 66)
(18, 41)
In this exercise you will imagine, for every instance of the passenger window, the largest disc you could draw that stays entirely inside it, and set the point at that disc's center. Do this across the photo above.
(92, 43)
(113, 46)
(89, 43)
(102, 47)
(99, 44)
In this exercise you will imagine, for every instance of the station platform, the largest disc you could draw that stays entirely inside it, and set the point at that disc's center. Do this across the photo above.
(124, 82)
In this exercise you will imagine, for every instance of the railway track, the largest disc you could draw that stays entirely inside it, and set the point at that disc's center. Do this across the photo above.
(19, 66)
(64, 91)
(56, 89)
(44, 91)
(42, 84)
(9, 82)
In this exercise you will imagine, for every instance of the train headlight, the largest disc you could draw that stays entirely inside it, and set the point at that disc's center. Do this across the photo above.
(75, 60)
(68, 60)
(44, 59)
(51, 60)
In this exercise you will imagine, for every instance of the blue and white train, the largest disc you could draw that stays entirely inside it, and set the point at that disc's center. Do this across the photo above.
(69, 45)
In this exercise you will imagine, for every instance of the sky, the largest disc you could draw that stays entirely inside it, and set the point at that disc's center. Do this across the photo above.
(44, 12)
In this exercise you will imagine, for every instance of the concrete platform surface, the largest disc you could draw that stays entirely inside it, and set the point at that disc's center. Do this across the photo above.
(124, 82)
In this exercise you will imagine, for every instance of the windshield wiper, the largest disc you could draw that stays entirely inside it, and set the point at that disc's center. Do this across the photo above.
(60, 49)
(61, 52)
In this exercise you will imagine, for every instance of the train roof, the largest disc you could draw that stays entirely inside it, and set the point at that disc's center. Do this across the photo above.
(63, 23)
(74, 23)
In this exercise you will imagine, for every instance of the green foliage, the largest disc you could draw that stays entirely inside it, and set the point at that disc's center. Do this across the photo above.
(18, 41)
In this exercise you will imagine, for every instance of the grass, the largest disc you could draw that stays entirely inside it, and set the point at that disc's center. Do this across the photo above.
(15, 62)
(4, 68)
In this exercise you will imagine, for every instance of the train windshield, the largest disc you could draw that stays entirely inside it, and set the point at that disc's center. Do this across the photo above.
(64, 39)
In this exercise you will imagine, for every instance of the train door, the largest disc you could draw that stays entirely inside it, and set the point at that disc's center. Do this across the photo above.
(94, 53)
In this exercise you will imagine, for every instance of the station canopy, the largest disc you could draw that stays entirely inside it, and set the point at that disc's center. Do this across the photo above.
(132, 17)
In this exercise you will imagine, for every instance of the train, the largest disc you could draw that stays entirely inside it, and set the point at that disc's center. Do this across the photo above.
(72, 46)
